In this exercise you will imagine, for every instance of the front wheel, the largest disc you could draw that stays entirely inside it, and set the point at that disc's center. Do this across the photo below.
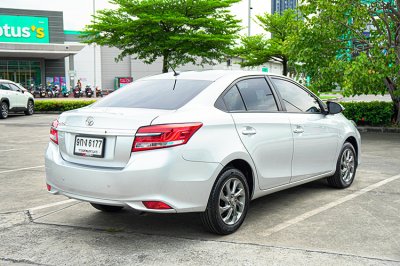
(106, 208)
(3, 110)
(346, 167)
(30, 109)
(228, 203)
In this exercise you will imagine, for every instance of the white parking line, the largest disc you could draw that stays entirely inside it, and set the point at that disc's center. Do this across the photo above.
(327, 206)
(21, 169)
(12, 150)
(52, 205)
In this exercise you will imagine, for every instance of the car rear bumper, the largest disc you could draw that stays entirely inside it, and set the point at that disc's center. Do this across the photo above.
(159, 175)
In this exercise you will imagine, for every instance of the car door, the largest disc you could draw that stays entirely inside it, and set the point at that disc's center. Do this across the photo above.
(19, 96)
(263, 129)
(8, 93)
(315, 134)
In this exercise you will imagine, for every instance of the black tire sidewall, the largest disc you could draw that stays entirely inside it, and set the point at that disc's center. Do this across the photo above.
(33, 106)
(213, 205)
(1, 107)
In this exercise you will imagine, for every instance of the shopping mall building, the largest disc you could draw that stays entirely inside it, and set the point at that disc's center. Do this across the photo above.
(36, 49)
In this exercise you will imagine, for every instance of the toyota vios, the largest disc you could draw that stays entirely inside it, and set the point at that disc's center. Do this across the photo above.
(207, 142)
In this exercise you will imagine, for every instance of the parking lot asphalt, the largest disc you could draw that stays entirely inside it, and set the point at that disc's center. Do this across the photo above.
(312, 224)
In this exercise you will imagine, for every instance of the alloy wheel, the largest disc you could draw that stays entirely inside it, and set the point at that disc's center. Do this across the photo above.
(232, 201)
(30, 107)
(4, 110)
(347, 165)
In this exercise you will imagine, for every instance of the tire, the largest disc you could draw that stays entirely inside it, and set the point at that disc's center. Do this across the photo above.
(106, 208)
(30, 108)
(211, 218)
(346, 167)
(4, 108)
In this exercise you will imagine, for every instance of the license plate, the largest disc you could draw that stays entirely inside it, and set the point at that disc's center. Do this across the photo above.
(89, 146)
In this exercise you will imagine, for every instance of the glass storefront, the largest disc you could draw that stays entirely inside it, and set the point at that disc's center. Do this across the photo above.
(25, 72)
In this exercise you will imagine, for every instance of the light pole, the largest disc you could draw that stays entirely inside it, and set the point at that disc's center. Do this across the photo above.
(249, 19)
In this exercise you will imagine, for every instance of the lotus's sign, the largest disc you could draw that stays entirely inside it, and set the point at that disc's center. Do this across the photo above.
(24, 29)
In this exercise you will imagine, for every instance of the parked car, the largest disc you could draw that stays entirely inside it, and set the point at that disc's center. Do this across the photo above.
(14, 98)
(207, 142)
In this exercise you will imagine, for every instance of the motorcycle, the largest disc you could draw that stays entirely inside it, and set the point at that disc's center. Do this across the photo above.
(88, 91)
(99, 93)
(77, 92)
(64, 91)
(49, 92)
(32, 90)
(42, 92)
(56, 91)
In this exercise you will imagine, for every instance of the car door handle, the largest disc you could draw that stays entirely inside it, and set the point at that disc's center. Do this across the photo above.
(249, 131)
(298, 129)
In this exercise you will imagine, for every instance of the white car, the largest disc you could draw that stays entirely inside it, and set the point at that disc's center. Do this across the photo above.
(14, 98)
(206, 142)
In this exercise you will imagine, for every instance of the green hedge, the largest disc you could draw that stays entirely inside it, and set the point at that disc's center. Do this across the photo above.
(60, 105)
(369, 113)
(363, 113)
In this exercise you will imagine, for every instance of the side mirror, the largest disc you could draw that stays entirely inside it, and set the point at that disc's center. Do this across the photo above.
(334, 108)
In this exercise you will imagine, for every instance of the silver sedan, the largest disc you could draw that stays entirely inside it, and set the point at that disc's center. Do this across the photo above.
(207, 142)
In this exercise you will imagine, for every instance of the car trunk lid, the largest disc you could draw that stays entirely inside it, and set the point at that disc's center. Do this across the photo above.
(116, 127)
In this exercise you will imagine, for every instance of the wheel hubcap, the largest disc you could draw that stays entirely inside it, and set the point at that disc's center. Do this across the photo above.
(30, 108)
(4, 110)
(347, 165)
(232, 201)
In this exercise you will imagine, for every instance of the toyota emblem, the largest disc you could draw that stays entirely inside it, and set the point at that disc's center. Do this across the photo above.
(89, 121)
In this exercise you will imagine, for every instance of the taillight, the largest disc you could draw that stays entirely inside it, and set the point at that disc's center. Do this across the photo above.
(54, 132)
(163, 136)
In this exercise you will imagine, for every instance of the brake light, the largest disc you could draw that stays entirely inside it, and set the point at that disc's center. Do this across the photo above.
(163, 136)
(54, 132)
(156, 205)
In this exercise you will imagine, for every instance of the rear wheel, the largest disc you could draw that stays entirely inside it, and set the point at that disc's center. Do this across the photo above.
(106, 208)
(228, 203)
(30, 109)
(4, 110)
(346, 167)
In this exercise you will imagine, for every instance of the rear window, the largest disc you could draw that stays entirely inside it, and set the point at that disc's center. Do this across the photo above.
(155, 94)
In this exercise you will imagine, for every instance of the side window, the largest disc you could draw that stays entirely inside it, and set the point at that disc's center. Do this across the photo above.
(4, 86)
(233, 100)
(14, 87)
(295, 98)
(257, 95)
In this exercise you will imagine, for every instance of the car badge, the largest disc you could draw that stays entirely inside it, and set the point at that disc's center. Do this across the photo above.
(90, 121)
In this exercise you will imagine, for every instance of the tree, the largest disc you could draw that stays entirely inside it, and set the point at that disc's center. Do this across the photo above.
(257, 50)
(352, 44)
(178, 31)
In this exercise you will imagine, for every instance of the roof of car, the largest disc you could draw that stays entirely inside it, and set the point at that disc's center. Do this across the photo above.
(211, 75)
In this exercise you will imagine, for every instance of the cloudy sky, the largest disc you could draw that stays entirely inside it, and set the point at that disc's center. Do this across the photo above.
(77, 12)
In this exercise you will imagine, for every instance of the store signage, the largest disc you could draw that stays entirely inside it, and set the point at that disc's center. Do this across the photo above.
(23, 29)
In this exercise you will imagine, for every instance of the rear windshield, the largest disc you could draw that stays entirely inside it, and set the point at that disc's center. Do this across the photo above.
(155, 94)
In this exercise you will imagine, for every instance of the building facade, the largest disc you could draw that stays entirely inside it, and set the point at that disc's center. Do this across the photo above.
(281, 5)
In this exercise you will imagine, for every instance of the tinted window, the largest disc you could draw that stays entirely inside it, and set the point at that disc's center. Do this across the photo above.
(5, 87)
(233, 100)
(295, 98)
(13, 87)
(155, 94)
(257, 95)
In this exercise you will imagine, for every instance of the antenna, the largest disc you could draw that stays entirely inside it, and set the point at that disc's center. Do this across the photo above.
(175, 73)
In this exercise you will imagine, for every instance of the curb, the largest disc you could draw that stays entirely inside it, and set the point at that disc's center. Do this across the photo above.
(379, 129)
(47, 112)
